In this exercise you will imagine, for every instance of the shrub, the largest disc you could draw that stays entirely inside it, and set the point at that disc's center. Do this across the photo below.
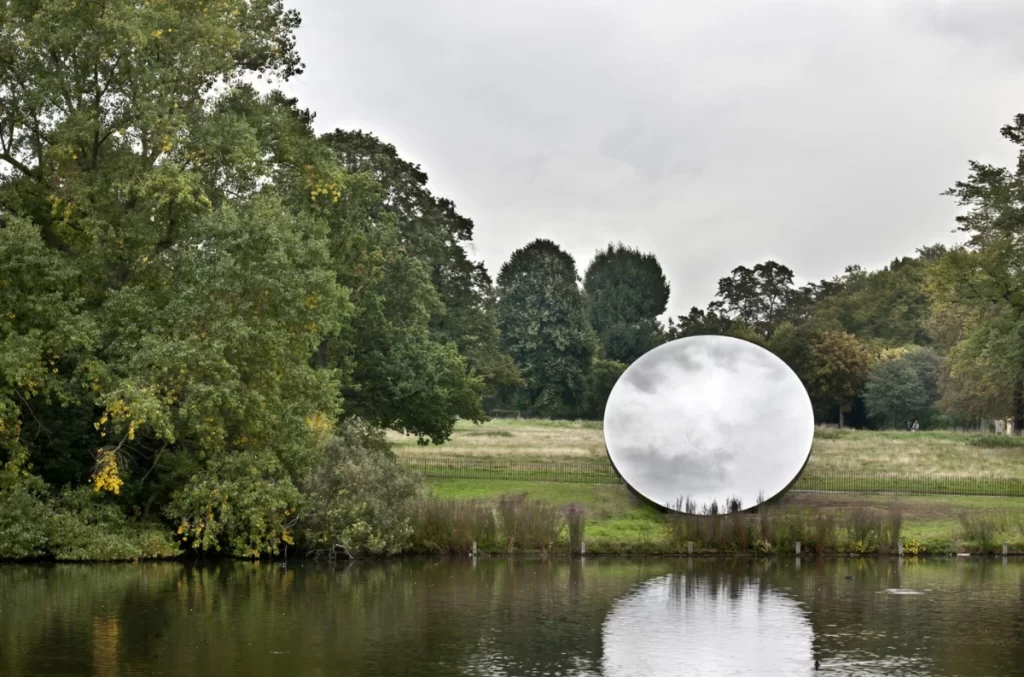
(24, 522)
(242, 502)
(997, 441)
(358, 498)
(913, 547)
(87, 527)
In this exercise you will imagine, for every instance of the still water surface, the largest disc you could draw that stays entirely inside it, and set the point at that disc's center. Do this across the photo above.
(611, 617)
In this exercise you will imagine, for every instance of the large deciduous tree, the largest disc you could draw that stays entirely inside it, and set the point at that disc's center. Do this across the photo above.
(980, 285)
(758, 296)
(626, 291)
(542, 319)
(838, 364)
(214, 285)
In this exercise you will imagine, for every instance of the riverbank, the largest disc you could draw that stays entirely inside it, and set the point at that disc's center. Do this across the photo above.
(529, 457)
(619, 523)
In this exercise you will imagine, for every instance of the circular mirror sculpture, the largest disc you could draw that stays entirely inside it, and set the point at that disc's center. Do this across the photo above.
(708, 424)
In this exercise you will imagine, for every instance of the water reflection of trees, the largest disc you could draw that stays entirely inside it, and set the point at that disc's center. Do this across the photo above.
(403, 617)
(497, 617)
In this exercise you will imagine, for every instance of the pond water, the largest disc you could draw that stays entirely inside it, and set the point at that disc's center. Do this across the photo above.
(613, 617)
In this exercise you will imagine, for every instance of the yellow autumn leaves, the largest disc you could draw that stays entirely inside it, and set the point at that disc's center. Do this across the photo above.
(106, 476)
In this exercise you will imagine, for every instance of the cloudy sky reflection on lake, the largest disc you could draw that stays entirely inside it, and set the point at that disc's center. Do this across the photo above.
(676, 624)
(709, 418)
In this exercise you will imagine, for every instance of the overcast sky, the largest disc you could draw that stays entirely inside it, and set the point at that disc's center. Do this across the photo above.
(818, 133)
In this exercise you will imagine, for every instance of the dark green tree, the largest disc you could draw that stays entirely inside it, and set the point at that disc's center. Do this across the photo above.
(626, 292)
(712, 321)
(600, 381)
(904, 388)
(890, 305)
(838, 365)
(542, 319)
(430, 229)
(758, 296)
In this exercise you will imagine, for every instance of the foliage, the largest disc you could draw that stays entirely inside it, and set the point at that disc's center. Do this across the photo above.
(357, 497)
(982, 284)
(759, 296)
(904, 388)
(839, 366)
(600, 381)
(712, 321)
(626, 291)
(427, 325)
(543, 323)
(24, 523)
(242, 503)
(890, 305)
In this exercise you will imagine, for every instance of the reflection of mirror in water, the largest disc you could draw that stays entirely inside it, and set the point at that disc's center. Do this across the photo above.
(677, 624)
(706, 419)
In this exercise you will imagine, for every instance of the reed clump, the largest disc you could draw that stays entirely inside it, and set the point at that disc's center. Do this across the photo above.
(575, 521)
(529, 524)
(778, 531)
(981, 528)
(893, 528)
(449, 526)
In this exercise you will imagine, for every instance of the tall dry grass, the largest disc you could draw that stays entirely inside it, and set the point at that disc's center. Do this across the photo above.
(449, 526)
(770, 530)
(529, 524)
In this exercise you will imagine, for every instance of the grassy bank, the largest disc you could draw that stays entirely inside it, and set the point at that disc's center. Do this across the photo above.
(618, 523)
(536, 453)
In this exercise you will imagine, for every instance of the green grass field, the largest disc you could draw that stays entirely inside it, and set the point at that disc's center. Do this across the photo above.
(619, 523)
(834, 451)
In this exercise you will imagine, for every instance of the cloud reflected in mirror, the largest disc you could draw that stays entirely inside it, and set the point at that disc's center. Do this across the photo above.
(703, 422)
(679, 624)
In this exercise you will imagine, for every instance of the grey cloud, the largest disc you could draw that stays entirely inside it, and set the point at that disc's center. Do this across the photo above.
(816, 132)
(984, 24)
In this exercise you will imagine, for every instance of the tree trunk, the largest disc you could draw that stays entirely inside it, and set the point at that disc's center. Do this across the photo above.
(321, 354)
(840, 416)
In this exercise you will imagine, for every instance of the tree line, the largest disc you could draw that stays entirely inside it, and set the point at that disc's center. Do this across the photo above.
(936, 338)
(209, 313)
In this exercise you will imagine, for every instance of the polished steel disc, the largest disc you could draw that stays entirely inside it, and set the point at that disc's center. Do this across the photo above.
(708, 424)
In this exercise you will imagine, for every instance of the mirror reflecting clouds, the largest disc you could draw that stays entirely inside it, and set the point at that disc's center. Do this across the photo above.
(707, 420)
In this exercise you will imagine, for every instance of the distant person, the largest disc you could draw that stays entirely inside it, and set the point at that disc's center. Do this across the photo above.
(916, 427)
